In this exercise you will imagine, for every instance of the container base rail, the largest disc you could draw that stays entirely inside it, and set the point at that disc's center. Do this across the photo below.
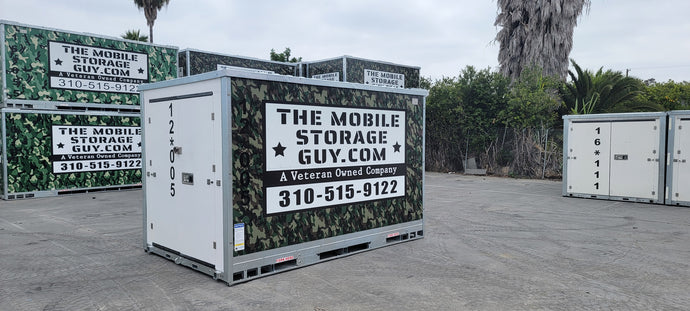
(53, 193)
(249, 267)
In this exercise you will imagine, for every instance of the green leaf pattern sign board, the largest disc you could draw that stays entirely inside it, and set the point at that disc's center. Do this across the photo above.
(265, 230)
(357, 70)
(200, 62)
(56, 66)
(96, 140)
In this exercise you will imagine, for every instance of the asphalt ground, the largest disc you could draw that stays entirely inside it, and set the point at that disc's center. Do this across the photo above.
(490, 244)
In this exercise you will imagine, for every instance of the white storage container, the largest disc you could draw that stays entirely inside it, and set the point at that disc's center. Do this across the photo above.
(678, 166)
(249, 174)
(615, 156)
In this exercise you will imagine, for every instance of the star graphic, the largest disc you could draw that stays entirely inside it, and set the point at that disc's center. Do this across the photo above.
(396, 147)
(60, 145)
(58, 62)
(280, 150)
(141, 70)
(597, 152)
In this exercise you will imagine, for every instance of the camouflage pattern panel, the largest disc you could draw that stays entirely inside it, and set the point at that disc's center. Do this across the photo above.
(51, 151)
(264, 230)
(182, 63)
(201, 62)
(50, 65)
(355, 71)
(325, 67)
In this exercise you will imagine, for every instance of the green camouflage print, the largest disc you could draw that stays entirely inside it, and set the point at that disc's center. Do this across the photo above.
(323, 67)
(264, 232)
(182, 63)
(200, 62)
(27, 65)
(29, 147)
(355, 71)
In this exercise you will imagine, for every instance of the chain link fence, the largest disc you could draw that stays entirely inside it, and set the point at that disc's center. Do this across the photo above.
(527, 152)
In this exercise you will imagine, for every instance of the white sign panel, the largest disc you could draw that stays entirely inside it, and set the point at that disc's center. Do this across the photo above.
(332, 76)
(87, 68)
(320, 156)
(95, 148)
(382, 78)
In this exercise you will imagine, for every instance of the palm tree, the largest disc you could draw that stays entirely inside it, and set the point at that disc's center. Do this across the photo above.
(151, 8)
(134, 35)
(603, 91)
(536, 33)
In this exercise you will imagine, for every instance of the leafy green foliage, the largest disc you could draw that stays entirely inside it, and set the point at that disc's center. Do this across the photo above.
(603, 91)
(461, 113)
(284, 56)
(669, 95)
(135, 35)
(533, 101)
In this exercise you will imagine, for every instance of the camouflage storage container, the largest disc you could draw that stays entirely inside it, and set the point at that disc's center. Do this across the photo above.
(45, 153)
(194, 62)
(364, 71)
(49, 69)
(274, 172)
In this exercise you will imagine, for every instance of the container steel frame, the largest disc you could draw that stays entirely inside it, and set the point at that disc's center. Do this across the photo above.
(617, 117)
(251, 266)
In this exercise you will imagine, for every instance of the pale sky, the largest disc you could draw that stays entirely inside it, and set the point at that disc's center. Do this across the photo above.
(650, 38)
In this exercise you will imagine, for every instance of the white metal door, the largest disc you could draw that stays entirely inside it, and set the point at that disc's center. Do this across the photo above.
(681, 160)
(588, 157)
(183, 198)
(635, 157)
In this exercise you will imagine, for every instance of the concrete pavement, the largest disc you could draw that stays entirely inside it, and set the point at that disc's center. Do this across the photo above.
(490, 244)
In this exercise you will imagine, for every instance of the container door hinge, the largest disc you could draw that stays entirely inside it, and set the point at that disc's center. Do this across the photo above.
(214, 244)
(218, 183)
(213, 116)
(213, 168)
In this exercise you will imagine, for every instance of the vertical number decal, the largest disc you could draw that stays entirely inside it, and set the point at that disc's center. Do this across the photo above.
(172, 151)
(597, 153)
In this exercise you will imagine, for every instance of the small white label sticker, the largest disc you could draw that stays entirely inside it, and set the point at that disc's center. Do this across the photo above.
(239, 237)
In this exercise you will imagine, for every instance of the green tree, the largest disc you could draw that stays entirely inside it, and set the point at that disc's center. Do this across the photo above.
(135, 35)
(533, 101)
(284, 56)
(461, 115)
(536, 33)
(151, 8)
(669, 95)
(603, 91)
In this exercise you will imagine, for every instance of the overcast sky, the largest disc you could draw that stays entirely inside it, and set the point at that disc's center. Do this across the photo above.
(651, 38)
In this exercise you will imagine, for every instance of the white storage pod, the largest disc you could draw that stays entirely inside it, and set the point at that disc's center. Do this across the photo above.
(678, 166)
(248, 174)
(615, 156)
